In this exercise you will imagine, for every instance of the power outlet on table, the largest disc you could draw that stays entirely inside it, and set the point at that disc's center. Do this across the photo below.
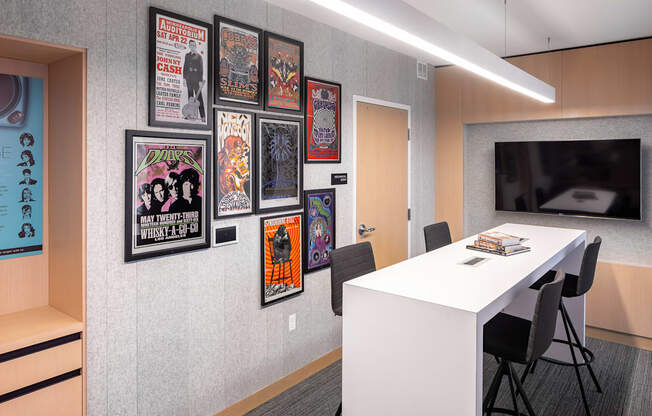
(292, 322)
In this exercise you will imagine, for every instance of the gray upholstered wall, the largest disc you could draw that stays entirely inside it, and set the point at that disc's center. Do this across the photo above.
(628, 242)
(185, 335)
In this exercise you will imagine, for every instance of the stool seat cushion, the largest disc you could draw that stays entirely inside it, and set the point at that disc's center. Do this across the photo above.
(569, 289)
(506, 336)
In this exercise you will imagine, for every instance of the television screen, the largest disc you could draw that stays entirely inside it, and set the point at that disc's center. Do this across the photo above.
(598, 178)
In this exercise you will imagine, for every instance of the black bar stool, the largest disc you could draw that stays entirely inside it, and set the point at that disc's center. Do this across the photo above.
(512, 339)
(348, 263)
(575, 286)
(437, 235)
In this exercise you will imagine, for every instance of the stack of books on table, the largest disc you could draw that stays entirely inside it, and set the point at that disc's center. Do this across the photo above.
(498, 243)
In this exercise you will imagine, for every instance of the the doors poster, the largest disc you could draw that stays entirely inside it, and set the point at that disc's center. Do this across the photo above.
(234, 190)
(167, 195)
(319, 240)
(238, 78)
(284, 74)
(21, 166)
(279, 167)
(323, 109)
(281, 274)
(180, 70)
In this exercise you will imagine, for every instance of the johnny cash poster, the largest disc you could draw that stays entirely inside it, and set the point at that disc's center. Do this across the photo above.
(180, 68)
(323, 110)
(21, 166)
(238, 78)
(167, 195)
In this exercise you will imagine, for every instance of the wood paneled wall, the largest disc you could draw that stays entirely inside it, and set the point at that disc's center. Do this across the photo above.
(597, 81)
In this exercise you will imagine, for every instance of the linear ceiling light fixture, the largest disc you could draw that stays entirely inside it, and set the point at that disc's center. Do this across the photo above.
(527, 84)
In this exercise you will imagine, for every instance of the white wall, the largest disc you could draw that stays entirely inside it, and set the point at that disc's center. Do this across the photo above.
(186, 334)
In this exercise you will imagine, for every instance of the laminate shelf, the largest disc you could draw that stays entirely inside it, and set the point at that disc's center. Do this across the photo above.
(32, 326)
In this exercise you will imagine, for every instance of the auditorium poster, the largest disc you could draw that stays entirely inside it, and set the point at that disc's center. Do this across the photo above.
(180, 68)
(21, 166)
(323, 109)
(167, 193)
(238, 77)
(234, 132)
(281, 268)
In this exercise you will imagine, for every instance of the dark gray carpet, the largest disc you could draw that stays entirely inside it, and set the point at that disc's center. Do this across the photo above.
(625, 374)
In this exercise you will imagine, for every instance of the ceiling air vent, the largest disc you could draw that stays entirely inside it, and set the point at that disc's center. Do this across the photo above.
(422, 70)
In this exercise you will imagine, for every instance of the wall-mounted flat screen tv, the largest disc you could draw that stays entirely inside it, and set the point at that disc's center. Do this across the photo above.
(596, 178)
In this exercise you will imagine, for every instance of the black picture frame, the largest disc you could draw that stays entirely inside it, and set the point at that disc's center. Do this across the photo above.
(217, 168)
(220, 98)
(152, 119)
(265, 245)
(307, 136)
(262, 208)
(300, 81)
(307, 225)
(164, 140)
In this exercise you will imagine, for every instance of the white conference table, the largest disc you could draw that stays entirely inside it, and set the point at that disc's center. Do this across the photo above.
(412, 332)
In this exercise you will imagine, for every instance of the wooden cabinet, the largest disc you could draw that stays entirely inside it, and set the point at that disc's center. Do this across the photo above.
(61, 399)
(42, 297)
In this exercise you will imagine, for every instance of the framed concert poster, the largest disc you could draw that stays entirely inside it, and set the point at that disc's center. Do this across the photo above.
(180, 68)
(166, 193)
(238, 48)
(234, 158)
(319, 228)
(280, 250)
(279, 167)
(323, 104)
(283, 74)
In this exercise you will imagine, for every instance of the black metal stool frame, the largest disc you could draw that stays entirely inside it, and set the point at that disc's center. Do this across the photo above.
(587, 356)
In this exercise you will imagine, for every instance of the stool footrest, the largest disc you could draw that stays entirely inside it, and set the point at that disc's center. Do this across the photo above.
(583, 348)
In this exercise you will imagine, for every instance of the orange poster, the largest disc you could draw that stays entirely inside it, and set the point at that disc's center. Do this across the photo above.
(281, 273)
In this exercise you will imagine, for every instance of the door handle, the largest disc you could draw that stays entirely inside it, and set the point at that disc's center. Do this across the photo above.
(363, 229)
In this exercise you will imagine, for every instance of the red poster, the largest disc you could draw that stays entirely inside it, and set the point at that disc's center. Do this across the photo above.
(323, 109)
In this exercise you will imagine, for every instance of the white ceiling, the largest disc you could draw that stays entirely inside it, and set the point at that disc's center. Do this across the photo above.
(568, 23)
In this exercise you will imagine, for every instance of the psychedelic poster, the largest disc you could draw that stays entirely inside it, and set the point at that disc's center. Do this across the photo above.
(180, 71)
(284, 76)
(234, 147)
(238, 54)
(319, 239)
(21, 166)
(167, 194)
(281, 274)
(279, 167)
(323, 108)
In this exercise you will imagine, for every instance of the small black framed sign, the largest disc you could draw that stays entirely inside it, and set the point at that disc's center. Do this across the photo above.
(319, 228)
(235, 155)
(167, 197)
(239, 55)
(279, 167)
(283, 74)
(180, 68)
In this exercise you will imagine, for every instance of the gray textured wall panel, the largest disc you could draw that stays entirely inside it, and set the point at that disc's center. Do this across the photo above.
(186, 334)
(628, 242)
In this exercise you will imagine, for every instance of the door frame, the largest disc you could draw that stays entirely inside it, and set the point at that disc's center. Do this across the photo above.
(362, 99)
